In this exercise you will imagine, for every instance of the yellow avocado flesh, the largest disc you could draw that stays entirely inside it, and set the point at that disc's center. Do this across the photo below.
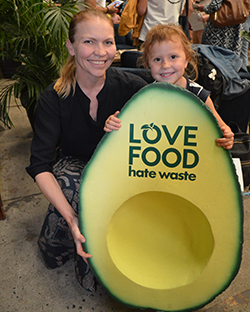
(159, 227)
(160, 204)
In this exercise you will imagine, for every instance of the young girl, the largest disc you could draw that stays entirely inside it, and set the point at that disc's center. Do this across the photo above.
(167, 52)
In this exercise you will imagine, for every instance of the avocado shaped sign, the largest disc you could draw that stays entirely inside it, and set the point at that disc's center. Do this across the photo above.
(160, 204)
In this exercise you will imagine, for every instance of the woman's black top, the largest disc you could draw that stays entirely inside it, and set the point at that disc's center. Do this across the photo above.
(66, 122)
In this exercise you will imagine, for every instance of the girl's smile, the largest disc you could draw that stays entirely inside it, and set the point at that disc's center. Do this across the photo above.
(166, 75)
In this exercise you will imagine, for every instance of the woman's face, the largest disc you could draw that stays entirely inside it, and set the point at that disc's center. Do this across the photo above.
(94, 48)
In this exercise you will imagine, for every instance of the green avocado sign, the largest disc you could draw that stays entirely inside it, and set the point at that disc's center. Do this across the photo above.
(151, 156)
(160, 204)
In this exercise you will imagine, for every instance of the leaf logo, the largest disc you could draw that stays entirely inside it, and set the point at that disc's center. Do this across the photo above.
(151, 127)
(147, 127)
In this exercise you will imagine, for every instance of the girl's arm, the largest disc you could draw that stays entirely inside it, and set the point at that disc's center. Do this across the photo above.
(52, 191)
(228, 136)
(142, 7)
(112, 123)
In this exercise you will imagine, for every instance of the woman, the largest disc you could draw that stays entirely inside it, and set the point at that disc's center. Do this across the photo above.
(198, 28)
(71, 114)
(226, 37)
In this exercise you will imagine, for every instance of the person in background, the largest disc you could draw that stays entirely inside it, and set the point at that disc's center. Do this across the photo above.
(70, 117)
(167, 52)
(100, 5)
(158, 12)
(227, 37)
(201, 17)
(245, 43)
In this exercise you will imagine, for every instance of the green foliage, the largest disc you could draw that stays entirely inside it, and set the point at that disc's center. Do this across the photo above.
(245, 34)
(33, 33)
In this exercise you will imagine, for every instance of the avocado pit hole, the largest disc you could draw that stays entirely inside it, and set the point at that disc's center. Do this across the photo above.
(160, 240)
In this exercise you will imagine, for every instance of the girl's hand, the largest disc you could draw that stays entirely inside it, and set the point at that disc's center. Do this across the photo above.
(79, 239)
(112, 123)
(228, 138)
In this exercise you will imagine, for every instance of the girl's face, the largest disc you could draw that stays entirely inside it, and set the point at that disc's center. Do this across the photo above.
(167, 60)
(94, 48)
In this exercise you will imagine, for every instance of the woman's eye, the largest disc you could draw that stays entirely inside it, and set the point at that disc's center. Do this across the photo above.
(87, 41)
(109, 42)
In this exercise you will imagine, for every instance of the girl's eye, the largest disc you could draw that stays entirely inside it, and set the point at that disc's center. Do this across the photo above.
(173, 57)
(157, 59)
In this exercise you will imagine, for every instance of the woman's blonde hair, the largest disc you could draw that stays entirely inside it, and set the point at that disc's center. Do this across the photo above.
(169, 32)
(67, 79)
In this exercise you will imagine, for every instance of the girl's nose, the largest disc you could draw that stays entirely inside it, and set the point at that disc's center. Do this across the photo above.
(165, 64)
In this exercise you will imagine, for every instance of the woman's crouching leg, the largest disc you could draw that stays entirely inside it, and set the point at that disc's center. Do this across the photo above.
(55, 241)
(84, 275)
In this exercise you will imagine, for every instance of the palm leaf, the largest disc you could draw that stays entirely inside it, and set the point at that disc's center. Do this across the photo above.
(35, 35)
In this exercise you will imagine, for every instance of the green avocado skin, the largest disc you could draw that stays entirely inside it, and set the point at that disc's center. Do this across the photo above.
(105, 186)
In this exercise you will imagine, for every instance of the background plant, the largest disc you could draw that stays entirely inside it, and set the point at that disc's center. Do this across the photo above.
(33, 33)
(246, 34)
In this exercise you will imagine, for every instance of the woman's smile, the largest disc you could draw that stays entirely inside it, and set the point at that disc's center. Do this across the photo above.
(97, 62)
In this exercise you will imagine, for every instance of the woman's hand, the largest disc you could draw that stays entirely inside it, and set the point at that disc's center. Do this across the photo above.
(79, 239)
(112, 123)
(52, 191)
(228, 138)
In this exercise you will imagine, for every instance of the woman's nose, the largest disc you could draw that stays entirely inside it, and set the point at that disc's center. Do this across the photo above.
(100, 50)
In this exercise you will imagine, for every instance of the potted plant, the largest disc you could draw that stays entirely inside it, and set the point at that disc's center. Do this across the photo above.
(35, 36)
(246, 35)
(7, 65)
